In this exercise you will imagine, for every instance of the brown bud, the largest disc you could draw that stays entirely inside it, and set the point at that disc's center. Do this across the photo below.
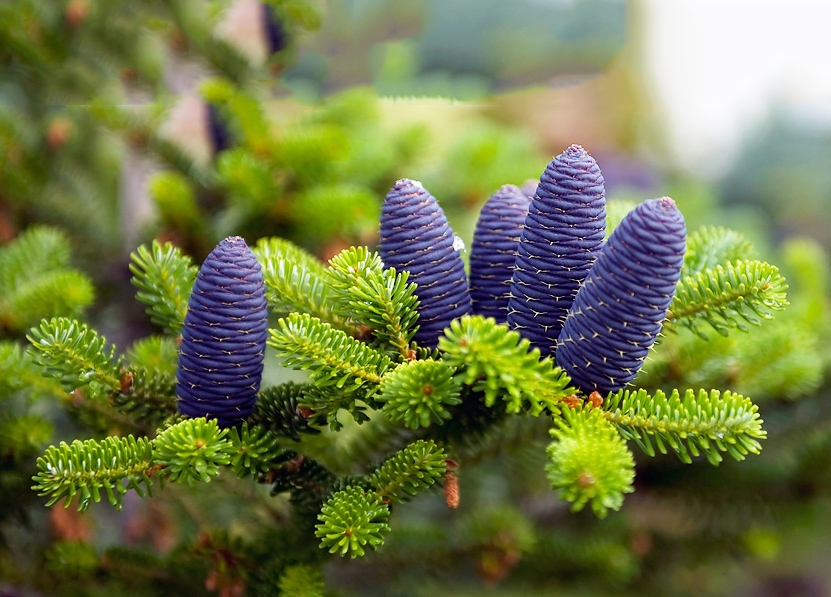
(571, 401)
(596, 399)
(58, 133)
(451, 490)
(126, 382)
(76, 12)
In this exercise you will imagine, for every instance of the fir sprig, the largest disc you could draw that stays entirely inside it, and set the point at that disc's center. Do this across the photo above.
(590, 462)
(147, 395)
(294, 280)
(498, 362)
(113, 465)
(725, 296)
(77, 355)
(164, 277)
(301, 580)
(707, 423)
(256, 450)
(331, 357)
(416, 393)
(410, 471)
(193, 450)
(36, 280)
(278, 410)
(381, 299)
(710, 246)
(351, 520)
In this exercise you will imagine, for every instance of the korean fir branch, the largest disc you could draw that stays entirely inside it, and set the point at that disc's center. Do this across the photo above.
(76, 355)
(728, 296)
(36, 279)
(380, 299)
(692, 424)
(417, 393)
(589, 461)
(355, 518)
(294, 281)
(331, 357)
(710, 246)
(497, 361)
(164, 277)
(191, 451)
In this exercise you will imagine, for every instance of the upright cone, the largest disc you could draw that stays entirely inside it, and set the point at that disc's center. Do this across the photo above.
(563, 233)
(416, 237)
(493, 253)
(223, 341)
(620, 308)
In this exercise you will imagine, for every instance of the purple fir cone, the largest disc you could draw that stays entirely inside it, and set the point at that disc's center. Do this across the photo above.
(493, 253)
(562, 236)
(275, 31)
(416, 237)
(223, 341)
(620, 308)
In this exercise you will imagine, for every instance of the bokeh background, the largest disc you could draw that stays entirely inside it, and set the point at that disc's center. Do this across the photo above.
(192, 120)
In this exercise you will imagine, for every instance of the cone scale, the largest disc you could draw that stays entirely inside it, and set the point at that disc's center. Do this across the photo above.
(416, 237)
(620, 308)
(223, 340)
(562, 236)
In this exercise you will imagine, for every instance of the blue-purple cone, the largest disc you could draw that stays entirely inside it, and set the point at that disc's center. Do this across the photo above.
(221, 137)
(275, 32)
(223, 341)
(562, 236)
(416, 237)
(623, 302)
(493, 253)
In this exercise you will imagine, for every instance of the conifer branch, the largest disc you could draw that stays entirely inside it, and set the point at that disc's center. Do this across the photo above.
(85, 468)
(373, 296)
(193, 450)
(77, 355)
(256, 450)
(703, 423)
(36, 280)
(590, 462)
(351, 520)
(331, 357)
(724, 296)
(410, 471)
(164, 278)
(710, 246)
(294, 281)
(278, 409)
(147, 395)
(301, 580)
(416, 393)
(497, 361)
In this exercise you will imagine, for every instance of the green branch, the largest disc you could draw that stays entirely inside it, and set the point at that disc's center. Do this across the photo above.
(164, 278)
(331, 357)
(410, 471)
(498, 362)
(695, 424)
(85, 468)
(294, 281)
(378, 298)
(77, 355)
(723, 296)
